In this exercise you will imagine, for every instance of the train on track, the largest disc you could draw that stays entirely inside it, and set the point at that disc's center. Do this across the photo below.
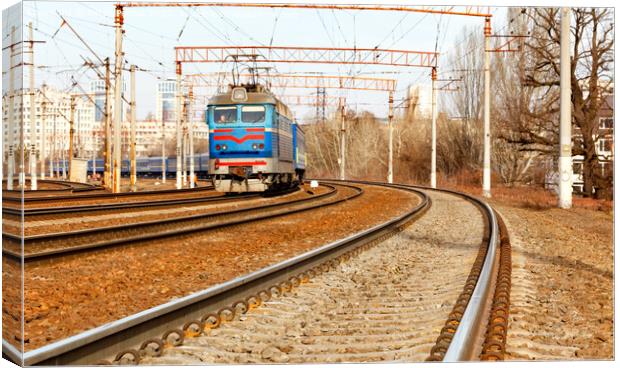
(255, 145)
(147, 166)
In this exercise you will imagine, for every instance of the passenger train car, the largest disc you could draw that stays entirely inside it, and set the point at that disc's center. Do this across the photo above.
(254, 143)
(146, 166)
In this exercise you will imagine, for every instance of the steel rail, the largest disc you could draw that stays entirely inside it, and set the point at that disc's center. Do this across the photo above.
(150, 234)
(465, 345)
(106, 341)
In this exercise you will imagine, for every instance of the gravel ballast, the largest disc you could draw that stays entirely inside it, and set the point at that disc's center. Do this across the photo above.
(69, 296)
(387, 304)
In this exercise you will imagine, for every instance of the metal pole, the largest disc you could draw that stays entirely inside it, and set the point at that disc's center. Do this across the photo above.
(53, 147)
(118, 107)
(486, 166)
(192, 174)
(565, 161)
(33, 128)
(163, 150)
(43, 137)
(132, 144)
(343, 133)
(71, 132)
(184, 143)
(94, 154)
(179, 108)
(107, 151)
(11, 123)
(433, 129)
(390, 136)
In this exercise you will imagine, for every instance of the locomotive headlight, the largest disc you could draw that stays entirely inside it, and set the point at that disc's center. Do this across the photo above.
(254, 146)
(224, 147)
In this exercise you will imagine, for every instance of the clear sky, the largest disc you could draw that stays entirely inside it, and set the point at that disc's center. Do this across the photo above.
(152, 33)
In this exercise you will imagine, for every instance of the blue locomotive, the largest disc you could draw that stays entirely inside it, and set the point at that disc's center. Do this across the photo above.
(255, 145)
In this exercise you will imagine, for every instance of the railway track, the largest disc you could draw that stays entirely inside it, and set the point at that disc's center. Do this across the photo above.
(51, 199)
(136, 337)
(55, 245)
(30, 213)
(63, 187)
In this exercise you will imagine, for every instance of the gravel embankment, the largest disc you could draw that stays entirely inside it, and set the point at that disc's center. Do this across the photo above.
(80, 221)
(562, 284)
(71, 295)
(387, 304)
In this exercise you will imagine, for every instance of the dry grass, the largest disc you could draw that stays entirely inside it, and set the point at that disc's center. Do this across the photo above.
(535, 198)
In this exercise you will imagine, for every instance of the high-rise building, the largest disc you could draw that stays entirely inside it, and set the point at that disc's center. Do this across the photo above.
(97, 88)
(165, 101)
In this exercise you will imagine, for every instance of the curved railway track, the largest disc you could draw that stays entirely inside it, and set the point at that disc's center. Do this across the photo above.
(64, 187)
(134, 337)
(54, 245)
(106, 207)
(50, 199)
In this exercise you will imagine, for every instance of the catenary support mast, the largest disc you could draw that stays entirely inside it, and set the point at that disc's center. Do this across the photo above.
(390, 137)
(433, 128)
(33, 118)
(118, 107)
(565, 160)
(190, 122)
(343, 139)
(486, 165)
(132, 147)
(11, 122)
(179, 111)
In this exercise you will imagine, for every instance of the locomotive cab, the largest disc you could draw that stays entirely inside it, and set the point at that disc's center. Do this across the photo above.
(251, 141)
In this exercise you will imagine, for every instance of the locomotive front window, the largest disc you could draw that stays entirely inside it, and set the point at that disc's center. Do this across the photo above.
(225, 114)
(253, 114)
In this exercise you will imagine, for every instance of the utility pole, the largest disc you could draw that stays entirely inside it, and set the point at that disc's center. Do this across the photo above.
(179, 113)
(343, 143)
(190, 120)
(163, 150)
(390, 136)
(433, 128)
(184, 143)
(107, 154)
(486, 166)
(43, 136)
(71, 131)
(33, 119)
(565, 163)
(118, 107)
(53, 147)
(132, 144)
(94, 154)
(11, 123)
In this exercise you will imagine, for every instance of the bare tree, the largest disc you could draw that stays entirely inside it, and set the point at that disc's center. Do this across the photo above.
(591, 74)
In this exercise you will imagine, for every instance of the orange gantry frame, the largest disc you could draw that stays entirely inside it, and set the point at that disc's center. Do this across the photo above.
(299, 81)
(322, 55)
(474, 11)
(299, 100)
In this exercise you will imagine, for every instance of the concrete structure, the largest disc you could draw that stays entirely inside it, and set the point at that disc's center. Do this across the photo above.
(419, 102)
